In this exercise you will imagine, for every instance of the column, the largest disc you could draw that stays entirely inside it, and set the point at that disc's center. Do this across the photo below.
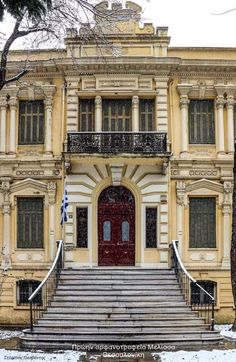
(48, 125)
(230, 124)
(3, 115)
(226, 214)
(220, 101)
(12, 144)
(6, 210)
(161, 123)
(184, 102)
(51, 188)
(98, 114)
(180, 193)
(135, 114)
(226, 236)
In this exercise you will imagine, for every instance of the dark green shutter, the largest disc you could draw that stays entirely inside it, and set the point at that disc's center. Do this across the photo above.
(117, 115)
(151, 227)
(146, 115)
(201, 122)
(82, 227)
(202, 222)
(31, 122)
(30, 223)
(86, 115)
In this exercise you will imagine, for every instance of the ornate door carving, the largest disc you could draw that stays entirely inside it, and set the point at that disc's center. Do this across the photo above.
(116, 227)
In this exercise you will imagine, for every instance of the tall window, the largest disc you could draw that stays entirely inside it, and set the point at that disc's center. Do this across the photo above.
(201, 122)
(31, 122)
(30, 222)
(146, 114)
(82, 227)
(202, 222)
(151, 227)
(86, 115)
(24, 290)
(197, 294)
(117, 115)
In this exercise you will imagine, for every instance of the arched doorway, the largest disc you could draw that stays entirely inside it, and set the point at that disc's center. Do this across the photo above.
(116, 227)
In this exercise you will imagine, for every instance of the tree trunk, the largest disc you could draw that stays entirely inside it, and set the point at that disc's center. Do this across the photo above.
(233, 242)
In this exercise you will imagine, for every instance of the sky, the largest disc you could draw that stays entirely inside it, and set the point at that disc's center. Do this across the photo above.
(191, 23)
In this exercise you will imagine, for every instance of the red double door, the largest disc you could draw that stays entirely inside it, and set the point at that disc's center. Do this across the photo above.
(116, 227)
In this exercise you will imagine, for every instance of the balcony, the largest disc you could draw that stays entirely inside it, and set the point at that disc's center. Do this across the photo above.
(113, 143)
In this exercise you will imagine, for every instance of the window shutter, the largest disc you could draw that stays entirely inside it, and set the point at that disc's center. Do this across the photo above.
(201, 122)
(31, 122)
(151, 227)
(86, 115)
(202, 223)
(30, 223)
(146, 114)
(116, 115)
(82, 227)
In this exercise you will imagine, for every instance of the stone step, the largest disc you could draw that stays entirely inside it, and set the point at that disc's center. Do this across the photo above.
(137, 310)
(122, 278)
(143, 282)
(119, 287)
(117, 270)
(113, 329)
(126, 292)
(65, 323)
(117, 298)
(106, 335)
(113, 304)
(93, 316)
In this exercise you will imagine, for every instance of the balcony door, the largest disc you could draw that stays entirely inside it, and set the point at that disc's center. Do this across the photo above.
(117, 115)
(116, 227)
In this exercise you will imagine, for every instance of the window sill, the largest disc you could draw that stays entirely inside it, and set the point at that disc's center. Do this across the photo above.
(203, 249)
(30, 249)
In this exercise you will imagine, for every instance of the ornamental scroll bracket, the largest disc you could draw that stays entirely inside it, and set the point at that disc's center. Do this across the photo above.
(180, 192)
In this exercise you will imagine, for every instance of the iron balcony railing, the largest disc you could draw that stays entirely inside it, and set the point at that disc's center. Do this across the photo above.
(117, 142)
(204, 307)
(41, 298)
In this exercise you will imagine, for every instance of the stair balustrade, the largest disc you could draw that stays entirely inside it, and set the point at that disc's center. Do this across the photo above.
(40, 299)
(205, 304)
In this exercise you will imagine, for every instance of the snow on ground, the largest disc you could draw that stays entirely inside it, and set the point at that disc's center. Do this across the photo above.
(5, 334)
(200, 356)
(72, 356)
(225, 332)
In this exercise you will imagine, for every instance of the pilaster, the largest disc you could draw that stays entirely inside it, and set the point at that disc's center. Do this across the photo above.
(220, 102)
(51, 189)
(184, 90)
(3, 115)
(135, 114)
(230, 123)
(13, 107)
(98, 113)
(180, 196)
(161, 122)
(6, 210)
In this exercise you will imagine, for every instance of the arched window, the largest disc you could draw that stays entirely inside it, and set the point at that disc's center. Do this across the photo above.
(107, 231)
(24, 290)
(198, 296)
(125, 231)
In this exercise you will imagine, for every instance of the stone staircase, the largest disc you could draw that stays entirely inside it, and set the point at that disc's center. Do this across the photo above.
(122, 305)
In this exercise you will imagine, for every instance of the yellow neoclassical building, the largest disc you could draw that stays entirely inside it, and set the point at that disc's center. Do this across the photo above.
(142, 134)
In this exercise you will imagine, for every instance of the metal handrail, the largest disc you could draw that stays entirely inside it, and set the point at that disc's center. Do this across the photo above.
(186, 272)
(190, 278)
(56, 267)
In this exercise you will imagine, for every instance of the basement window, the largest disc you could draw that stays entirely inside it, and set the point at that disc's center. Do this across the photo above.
(198, 296)
(24, 290)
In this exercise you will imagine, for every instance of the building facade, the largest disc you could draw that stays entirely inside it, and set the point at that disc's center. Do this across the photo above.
(143, 136)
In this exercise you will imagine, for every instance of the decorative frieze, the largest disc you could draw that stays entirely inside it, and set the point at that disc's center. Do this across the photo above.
(177, 173)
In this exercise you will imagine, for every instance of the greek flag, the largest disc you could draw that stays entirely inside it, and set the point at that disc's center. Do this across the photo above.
(64, 205)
